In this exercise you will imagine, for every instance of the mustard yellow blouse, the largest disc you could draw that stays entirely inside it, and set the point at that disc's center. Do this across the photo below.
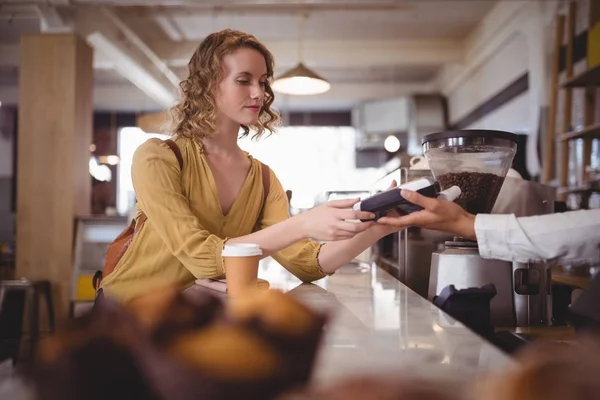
(185, 232)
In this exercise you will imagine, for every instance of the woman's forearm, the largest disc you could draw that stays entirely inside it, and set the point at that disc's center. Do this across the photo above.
(275, 237)
(334, 255)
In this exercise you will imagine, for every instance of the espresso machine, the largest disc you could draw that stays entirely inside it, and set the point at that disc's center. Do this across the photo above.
(477, 161)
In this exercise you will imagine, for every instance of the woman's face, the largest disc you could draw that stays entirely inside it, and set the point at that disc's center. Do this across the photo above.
(241, 93)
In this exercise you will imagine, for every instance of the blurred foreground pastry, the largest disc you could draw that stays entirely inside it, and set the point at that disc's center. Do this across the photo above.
(548, 371)
(166, 312)
(227, 352)
(279, 312)
(163, 345)
(94, 357)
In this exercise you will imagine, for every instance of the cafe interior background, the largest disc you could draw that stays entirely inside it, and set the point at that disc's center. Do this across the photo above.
(84, 82)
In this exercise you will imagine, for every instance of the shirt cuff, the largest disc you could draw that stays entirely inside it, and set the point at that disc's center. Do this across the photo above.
(492, 232)
(316, 258)
(220, 264)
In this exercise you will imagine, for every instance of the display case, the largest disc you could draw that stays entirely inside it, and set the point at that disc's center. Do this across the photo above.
(92, 237)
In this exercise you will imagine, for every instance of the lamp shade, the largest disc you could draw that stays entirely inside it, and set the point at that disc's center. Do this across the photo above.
(300, 80)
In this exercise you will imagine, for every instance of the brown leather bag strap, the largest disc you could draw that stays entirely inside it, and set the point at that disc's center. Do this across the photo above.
(177, 152)
(139, 223)
(266, 181)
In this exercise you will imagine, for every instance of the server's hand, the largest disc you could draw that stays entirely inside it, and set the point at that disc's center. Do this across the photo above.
(438, 214)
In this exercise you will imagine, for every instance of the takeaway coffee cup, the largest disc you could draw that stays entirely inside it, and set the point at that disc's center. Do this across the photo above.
(241, 268)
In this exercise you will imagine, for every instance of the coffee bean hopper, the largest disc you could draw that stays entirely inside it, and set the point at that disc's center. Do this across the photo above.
(477, 161)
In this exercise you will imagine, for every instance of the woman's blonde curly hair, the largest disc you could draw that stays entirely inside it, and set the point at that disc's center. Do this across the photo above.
(194, 116)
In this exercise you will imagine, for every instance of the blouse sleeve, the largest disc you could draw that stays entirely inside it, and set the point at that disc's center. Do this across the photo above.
(301, 258)
(157, 183)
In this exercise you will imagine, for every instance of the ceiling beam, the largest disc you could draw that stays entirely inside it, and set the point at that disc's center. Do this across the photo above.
(9, 57)
(16, 11)
(112, 51)
(129, 55)
(338, 53)
(143, 47)
(183, 7)
(344, 96)
(125, 98)
(348, 95)
(169, 27)
(51, 21)
(38, 2)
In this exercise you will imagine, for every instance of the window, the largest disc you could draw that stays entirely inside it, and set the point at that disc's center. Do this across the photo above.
(312, 160)
(129, 140)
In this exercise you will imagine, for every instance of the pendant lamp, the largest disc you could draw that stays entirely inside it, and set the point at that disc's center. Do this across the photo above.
(300, 80)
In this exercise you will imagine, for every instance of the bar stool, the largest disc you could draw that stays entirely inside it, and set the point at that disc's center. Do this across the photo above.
(20, 300)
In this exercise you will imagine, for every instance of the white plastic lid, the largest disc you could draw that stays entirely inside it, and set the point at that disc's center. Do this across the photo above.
(450, 194)
(241, 250)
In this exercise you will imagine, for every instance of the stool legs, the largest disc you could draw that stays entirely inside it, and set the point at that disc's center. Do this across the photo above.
(33, 293)
(49, 306)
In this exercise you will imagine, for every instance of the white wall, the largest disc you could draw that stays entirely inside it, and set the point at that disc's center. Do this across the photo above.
(504, 66)
(511, 117)
(513, 39)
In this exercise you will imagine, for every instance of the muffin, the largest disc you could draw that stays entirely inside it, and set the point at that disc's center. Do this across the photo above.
(164, 345)
(227, 352)
(166, 312)
(279, 313)
(92, 357)
(98, 369)
(548, 371)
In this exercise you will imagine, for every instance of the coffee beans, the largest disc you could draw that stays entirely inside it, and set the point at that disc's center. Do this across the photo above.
(479, 190)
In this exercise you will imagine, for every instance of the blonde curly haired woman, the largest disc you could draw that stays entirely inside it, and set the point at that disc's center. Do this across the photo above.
(216, 193)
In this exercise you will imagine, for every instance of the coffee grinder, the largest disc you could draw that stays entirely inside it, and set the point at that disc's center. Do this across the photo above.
(477, 161)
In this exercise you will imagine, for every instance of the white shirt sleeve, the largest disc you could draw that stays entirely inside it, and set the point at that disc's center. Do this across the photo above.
(572, 237)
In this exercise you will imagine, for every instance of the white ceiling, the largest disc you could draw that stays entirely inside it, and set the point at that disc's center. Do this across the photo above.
(415, 20)
(367, 48)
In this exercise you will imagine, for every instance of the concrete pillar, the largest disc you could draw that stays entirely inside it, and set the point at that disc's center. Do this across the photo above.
(53, 182)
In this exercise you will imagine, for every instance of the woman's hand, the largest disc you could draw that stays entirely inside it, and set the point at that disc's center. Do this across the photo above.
(438, 214)
(329, 221)
(387, 229)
